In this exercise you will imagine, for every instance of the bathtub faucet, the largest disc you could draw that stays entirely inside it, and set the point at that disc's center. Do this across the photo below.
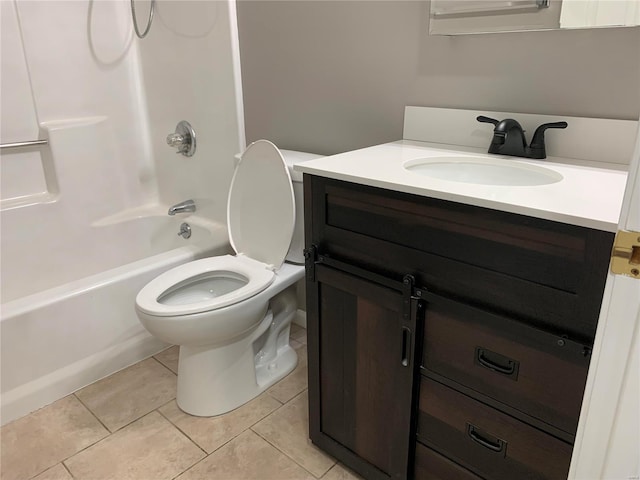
(183, 207)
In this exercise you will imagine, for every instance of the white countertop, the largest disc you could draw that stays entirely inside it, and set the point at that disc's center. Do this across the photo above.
(588, 195)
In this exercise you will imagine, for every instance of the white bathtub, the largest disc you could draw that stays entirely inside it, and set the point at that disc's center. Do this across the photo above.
(63, 338)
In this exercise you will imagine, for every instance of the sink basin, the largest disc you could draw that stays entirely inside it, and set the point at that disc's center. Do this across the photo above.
(482, 171)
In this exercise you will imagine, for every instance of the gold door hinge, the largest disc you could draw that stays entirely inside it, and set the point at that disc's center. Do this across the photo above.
(625, 257)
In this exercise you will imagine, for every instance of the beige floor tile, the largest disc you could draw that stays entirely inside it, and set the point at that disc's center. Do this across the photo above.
(129, 394)
(340, 472)
(150, 448)
(210, 433)
(294, 383)
(295, 344)
(55, 473)
(44, 438)
(288, 430)
(247, 457)
(169, 358)
(298, 333)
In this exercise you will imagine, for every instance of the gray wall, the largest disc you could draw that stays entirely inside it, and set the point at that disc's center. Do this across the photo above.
(330, 76)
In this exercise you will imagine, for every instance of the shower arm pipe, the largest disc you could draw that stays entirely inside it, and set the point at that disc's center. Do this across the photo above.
(135, 19)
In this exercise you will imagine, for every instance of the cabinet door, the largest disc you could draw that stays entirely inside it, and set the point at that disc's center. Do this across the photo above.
(361, 370)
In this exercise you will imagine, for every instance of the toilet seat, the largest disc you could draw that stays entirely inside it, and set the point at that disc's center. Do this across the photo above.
(257, 275)
(260, 218)
(261, 210)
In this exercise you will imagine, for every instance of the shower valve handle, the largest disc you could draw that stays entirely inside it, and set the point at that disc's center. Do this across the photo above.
(175, 140)
(184, 139)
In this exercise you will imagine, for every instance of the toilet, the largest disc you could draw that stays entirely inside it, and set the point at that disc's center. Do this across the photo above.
(231, 314)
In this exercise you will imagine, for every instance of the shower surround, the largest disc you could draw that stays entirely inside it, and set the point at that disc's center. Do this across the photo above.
(84, 222)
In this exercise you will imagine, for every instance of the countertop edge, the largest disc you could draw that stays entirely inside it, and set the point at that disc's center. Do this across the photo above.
(597, 222)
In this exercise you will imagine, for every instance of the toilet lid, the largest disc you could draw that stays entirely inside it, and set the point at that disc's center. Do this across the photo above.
(261, 207)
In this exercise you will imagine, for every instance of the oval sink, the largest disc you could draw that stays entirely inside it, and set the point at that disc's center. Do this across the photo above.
(482, 171)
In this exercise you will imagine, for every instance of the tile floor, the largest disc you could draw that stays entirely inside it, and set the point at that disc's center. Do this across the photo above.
(128, 427)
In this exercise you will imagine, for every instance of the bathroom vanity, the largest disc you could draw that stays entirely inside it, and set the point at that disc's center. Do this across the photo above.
(450, 324)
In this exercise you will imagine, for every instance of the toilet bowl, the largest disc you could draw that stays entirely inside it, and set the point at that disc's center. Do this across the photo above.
(231, 314)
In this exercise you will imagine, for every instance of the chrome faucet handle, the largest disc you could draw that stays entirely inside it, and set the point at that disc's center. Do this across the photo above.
(184, 139)
(175, 140)
(185, 230)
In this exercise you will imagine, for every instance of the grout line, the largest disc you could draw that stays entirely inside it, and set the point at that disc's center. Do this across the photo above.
(109, 432)
(250, 427)
(335, 461)
(93, 414)
(163, 364)
(42, 471)
(67, 469)
(206, 454)
(135, 419)
(232, 438)
(192, 466)
(82, 449)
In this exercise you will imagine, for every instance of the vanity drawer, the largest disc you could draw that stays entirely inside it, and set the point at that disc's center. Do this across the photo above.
(532, 371)
(488, 442)
(431, 465)
(548, 273)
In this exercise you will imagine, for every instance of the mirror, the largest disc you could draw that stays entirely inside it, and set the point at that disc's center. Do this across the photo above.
(459, 17)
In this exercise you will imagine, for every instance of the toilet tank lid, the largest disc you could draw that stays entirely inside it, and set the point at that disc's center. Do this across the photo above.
(292, 157)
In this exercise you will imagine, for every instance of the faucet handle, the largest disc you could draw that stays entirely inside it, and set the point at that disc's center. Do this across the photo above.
(538, 136)
(184, 139)
(483, 119)
(537, 148)
(175, 140)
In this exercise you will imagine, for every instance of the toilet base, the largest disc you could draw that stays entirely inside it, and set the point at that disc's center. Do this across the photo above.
(216, 380)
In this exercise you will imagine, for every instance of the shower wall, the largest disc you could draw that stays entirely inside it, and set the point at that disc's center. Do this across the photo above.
(66, 61)
(190, 63)
(84, 219)
(73, 72)
(69, 74)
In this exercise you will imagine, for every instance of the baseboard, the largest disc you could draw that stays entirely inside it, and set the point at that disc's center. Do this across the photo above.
(301, 318)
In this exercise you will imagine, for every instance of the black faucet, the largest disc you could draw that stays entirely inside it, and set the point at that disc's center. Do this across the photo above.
(508, 138)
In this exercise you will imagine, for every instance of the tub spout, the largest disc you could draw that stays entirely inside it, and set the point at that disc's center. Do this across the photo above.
(182, 207)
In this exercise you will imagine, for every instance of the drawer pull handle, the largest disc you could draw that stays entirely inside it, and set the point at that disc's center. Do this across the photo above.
(406, 346)
(509, 367)
(494, 444)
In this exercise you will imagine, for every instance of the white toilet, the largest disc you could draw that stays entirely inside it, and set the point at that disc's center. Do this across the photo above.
(229, 314)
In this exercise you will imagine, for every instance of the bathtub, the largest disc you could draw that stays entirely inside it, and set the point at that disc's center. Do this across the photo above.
(59, 339)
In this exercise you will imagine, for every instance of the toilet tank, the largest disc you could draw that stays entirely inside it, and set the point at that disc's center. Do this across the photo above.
(295, 254)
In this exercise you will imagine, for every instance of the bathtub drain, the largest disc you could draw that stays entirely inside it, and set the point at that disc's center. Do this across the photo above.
(185, 230)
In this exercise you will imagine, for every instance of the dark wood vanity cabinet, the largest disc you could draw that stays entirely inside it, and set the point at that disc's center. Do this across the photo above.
(361, 339)
(446, 341)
